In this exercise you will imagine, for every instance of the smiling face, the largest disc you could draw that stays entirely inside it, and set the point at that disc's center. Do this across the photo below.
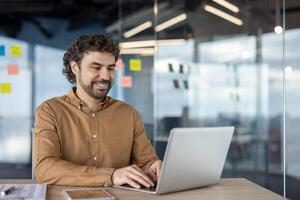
(96, 73)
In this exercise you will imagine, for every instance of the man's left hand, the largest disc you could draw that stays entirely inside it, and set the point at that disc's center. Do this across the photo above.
(154, 170)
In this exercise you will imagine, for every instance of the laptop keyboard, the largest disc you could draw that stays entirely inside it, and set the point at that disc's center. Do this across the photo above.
(151, 189)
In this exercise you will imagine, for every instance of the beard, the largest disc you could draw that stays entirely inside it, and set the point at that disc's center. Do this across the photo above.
(97, 89)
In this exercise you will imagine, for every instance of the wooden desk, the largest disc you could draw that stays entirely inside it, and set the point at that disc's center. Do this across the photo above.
(226, 189)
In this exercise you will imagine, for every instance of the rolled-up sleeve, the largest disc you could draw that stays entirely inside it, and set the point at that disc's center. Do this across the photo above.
(50, 167)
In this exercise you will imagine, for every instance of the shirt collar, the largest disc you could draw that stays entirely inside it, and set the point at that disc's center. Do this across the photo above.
(74, 100)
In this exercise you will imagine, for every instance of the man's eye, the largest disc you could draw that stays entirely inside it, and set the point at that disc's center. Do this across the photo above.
(96, 68)
(111, 68)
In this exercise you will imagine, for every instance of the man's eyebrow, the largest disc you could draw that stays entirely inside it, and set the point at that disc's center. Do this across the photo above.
(96, 63)
(100, 64)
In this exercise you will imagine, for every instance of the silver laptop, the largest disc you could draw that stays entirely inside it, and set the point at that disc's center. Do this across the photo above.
(194, 158)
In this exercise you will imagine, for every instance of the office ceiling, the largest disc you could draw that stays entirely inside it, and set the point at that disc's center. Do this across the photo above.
(255, 13)
(78, 12)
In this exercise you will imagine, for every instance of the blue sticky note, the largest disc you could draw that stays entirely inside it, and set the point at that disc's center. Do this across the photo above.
(2, 50)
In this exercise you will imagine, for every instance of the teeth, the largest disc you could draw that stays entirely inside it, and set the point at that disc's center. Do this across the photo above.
(102, 85)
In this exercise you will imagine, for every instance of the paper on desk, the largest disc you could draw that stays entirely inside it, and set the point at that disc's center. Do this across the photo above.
(25, 191)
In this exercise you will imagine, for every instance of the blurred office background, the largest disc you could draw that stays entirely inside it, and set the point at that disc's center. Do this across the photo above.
(184, 63)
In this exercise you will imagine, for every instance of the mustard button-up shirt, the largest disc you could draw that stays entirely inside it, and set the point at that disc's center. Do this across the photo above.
(75, 146)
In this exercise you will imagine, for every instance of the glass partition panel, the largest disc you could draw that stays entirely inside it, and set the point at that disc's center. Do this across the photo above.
(15, 108)
(49, 62)
(133, 81)
(222, 66)
(292, 86)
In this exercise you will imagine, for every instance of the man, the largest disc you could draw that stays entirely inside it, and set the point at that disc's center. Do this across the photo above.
(86, 138)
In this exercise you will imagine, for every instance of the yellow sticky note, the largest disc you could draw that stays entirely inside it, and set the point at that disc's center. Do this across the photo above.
(16, 50)
(135, 65)
(5, 88)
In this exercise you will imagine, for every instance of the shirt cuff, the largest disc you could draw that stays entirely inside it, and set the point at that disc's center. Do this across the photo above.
(104, 177)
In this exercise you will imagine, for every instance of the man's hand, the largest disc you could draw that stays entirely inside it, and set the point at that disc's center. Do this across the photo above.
(154, 170)
(131, 175)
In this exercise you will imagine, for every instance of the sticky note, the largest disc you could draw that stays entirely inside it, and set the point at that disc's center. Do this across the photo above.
(12, 69)
(5, 88)
(119, 64)
(2, 50)
(16, 50)
(126, 81)
(135, 65)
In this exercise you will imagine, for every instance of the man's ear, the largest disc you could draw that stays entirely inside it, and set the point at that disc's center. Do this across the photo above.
(74, 67)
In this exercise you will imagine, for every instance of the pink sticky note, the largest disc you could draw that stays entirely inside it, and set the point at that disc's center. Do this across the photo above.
(119, 64)
(126, 82)
(12, 69)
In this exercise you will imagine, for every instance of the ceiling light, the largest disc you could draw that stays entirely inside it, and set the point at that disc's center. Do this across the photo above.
(278, 30)
(170, 22)
(289, 69)
(246, 55)
(138, 29)
(135, 44)
(170, 42)
(228, 5)
(224, 15)
(151, 43)
(143, 51)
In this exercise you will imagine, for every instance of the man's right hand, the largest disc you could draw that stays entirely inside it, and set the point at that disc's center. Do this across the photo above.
(133, 176)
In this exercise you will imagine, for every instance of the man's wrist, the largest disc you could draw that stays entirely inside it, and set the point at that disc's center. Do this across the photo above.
(111, 176)
(103, 177)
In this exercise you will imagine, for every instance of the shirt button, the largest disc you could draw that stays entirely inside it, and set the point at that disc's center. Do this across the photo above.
(94, 136)
(93, 114)
(95, 158)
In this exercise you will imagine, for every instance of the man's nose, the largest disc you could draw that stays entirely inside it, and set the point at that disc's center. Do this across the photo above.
(104, 73)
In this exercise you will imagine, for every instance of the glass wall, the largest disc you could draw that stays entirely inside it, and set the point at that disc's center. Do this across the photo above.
(30, 74)
(225, 68)
(49, 62)
(134, 77)
(292, 113)
(15, 106)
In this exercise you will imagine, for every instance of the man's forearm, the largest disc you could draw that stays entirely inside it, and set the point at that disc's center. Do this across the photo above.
(60, 172)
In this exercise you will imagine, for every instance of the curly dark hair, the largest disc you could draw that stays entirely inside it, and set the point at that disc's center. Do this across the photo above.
(83, 45)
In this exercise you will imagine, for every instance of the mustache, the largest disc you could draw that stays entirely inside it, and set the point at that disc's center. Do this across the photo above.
(102, 81)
